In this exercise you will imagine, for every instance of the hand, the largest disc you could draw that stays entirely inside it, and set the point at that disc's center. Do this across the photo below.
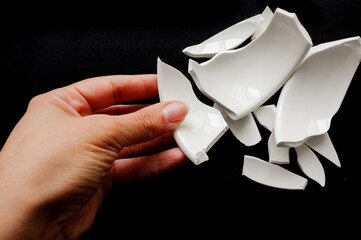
(73, 144)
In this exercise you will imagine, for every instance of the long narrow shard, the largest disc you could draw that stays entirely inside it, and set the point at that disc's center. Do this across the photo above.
(271, 175)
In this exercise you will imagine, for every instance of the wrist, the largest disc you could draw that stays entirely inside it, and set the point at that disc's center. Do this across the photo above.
(21, 216)
(21, 220)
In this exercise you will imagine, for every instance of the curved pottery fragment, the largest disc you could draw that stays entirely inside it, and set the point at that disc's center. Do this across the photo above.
(202, 127)
(279, 155)
(266, 116)
(323, 145)
(227, 39)
(271, 175)
(244, 129)
(314, 93)
(310, 165)
(267, 15)
(241, 80)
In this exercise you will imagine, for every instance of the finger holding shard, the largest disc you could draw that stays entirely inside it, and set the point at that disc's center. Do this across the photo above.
(203, 125)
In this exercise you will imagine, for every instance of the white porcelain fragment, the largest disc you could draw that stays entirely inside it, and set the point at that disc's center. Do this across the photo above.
(244, 129)
(266, 116)
(310, 165)
(241, 80)
(229, 38)
(267, 15)
(271, 175)
(278, 155)
(314, 93)
(323, 145)
(203, 125)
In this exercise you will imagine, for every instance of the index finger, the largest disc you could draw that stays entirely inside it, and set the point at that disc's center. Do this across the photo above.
(102, 92)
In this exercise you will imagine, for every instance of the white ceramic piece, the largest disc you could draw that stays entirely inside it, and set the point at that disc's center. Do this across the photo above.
(271, 175)
(229, 38)
(314, 93)
(244, 129)
(241, 80)
(278, 155)
(267, 15)
(266, 116)
(310, 165)
(202, 127)
(323, 145)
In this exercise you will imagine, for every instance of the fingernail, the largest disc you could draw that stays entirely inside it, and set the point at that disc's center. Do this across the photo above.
(175, 111)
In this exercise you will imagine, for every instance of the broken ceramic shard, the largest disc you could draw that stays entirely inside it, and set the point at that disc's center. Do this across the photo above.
(266, 116)
(203, 125)
(244, 129)
(227, 39)
(279, 155)
(306, 159)
(271, 175)
(310, 165)
(267, 15)
(241, 80)
(323, 145)
(303, 110)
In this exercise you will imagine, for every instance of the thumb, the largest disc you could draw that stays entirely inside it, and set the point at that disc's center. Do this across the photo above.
(149, 122)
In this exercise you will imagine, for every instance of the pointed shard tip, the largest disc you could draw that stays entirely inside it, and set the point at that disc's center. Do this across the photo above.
(201, 157)
(191, 65)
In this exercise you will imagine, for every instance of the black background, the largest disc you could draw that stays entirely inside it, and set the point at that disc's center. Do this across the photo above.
(48, 46)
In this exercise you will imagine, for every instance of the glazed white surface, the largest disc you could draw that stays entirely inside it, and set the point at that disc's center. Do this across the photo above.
(203, 125)
(241, 80)
(314, 93)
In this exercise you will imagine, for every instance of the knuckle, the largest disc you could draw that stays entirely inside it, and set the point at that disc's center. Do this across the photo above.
(147, 123)
(36, 101)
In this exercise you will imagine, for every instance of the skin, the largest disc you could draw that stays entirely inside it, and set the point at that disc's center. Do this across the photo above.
(74, 144)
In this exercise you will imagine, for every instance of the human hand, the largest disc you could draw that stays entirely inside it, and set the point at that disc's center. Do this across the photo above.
(73, 144)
